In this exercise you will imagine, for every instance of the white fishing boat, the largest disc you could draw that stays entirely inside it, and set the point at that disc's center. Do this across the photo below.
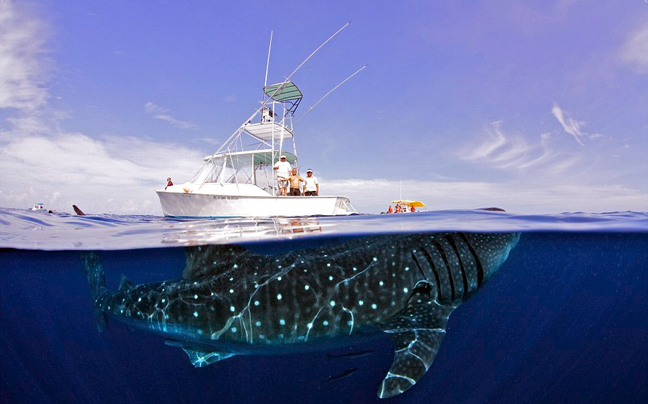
(38, 206)
(238, 180)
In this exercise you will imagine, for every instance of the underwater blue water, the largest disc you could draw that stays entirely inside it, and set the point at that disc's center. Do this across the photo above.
(564, 320)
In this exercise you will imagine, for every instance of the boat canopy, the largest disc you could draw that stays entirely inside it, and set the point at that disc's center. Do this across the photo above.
(268, 131)
(260, 157)
(284, 91)
(416, 204)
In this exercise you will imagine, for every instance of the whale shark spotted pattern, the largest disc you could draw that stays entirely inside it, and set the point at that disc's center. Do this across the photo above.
(232, 300)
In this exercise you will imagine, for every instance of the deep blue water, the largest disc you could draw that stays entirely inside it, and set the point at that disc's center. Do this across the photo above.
(564, 320)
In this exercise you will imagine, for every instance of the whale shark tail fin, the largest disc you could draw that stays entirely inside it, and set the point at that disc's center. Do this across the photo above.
(94, 271)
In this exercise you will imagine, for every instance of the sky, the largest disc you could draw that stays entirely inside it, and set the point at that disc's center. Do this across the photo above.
(538, 106)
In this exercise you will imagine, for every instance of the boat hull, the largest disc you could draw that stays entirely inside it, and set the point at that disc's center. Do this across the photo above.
(209, 205)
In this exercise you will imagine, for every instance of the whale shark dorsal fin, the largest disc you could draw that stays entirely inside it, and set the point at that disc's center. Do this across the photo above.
(124, 283)
(200, 356)
(215, 260)
(417, 332)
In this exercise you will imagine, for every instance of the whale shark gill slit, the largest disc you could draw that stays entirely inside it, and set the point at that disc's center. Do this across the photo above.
(427, 261)
(461, 268)
(446, 267)
(478, 264)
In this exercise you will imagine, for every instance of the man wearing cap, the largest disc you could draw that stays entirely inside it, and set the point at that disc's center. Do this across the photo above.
(311, 186)
(283, 172)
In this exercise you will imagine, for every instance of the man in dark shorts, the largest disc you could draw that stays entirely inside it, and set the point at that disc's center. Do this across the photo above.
(294, 183)
(311, 186)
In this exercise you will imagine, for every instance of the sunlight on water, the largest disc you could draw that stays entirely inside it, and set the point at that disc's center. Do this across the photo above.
(30, 230)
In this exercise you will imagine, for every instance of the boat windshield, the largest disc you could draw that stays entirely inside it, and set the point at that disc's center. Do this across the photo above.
(240, 168)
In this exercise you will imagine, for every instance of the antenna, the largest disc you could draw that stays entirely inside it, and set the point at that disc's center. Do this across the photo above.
(265, 81)
(327, 94)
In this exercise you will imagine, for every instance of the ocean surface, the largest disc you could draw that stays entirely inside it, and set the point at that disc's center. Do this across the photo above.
(565, 318)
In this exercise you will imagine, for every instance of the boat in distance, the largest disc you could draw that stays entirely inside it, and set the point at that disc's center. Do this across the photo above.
(238, 180)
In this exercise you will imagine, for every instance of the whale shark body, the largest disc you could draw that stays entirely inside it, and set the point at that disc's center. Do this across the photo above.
(232, 300)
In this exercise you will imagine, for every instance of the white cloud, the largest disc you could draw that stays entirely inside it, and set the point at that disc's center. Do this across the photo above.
(161, 114)
(115, 174)
(41, 163)
(634, 52)
(23, 65)
(512, 152)
(569, 125)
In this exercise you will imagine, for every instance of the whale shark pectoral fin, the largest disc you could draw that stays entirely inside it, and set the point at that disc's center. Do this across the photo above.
(200, 356)
(417, 332)
(205, 358)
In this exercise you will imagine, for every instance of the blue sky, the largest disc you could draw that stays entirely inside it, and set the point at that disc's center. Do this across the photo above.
(535, 106)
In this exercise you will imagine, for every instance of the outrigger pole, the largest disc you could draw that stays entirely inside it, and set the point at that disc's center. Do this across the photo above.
(316, 50)
(279, 88)
(329, 93)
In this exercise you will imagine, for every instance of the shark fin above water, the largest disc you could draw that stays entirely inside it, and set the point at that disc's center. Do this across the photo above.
(417, 332)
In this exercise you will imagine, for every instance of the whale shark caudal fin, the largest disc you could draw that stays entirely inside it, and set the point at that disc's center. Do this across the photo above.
(199, 356)
(417, 332)
(97, 280)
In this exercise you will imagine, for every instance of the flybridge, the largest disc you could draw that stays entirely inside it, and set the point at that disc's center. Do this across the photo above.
(273, 134)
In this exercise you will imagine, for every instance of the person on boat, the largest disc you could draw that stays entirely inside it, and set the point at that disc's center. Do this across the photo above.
(169, 183)
(311, 186)
(267, 115)
(390, 210)
(283, 172)
(412, 208)
(398, 208)
(295, 179)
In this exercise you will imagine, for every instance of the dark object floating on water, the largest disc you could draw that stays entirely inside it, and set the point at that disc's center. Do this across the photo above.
(77, 210)
(493, 209)
(233, 301)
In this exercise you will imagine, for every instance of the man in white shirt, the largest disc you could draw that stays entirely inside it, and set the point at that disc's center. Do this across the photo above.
(283, 172)
(311, 186)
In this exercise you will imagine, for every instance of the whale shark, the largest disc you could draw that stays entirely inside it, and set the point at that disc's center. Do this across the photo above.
(238, 300)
